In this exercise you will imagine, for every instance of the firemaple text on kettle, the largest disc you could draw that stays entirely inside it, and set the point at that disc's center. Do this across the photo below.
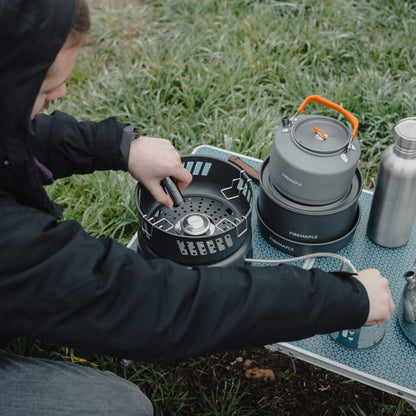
(295, 182)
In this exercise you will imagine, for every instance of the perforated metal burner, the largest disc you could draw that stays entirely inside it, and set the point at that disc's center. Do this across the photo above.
(198, 215)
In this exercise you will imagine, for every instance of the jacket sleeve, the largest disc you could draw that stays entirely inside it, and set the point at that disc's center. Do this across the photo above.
(67, 146)
(61, 285)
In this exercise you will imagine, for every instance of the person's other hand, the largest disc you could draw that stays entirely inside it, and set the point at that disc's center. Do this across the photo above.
(381, 301)
(152, 160)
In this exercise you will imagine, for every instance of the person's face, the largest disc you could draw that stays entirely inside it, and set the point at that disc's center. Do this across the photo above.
(54, 85)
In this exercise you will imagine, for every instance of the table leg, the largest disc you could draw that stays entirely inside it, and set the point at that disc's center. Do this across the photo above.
(413, 404)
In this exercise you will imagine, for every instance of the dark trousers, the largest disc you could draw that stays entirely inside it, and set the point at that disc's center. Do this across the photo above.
(37, 387)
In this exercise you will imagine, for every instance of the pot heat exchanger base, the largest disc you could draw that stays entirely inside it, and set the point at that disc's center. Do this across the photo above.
(212, 226)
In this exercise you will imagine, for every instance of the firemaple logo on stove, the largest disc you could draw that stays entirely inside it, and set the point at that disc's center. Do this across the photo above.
(295, 182)
(305, 236)
(279, 244)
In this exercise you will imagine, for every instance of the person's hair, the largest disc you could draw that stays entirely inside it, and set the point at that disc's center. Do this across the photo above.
(81, 24)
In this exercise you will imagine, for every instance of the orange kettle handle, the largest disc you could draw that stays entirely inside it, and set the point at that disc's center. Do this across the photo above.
(317, 98)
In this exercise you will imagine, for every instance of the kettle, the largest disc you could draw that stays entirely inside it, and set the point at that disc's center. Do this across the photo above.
(314, 158)
(407, 307)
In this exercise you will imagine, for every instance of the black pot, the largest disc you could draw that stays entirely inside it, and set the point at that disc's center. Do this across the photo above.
(299, 228)
(212, 223)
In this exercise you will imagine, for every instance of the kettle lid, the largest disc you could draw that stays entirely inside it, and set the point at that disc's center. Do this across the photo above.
(321, 134)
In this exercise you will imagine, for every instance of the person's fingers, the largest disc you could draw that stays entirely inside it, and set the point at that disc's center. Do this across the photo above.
(376, 322)
(181, 175)
(160, 195)
(184, 178)
(379, 295)
(392, 305)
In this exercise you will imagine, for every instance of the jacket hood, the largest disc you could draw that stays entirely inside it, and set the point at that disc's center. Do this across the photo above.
(31, 35)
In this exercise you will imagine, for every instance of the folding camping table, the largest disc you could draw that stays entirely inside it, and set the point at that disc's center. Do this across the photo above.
(390, 365)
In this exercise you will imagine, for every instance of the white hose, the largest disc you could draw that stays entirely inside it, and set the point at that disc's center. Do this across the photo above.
(346, 263)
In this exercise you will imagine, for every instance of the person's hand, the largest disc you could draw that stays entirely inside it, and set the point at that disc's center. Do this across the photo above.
(381, 301)
(152, 160)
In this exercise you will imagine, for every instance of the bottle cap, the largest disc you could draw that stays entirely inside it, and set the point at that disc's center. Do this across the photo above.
(404, 133)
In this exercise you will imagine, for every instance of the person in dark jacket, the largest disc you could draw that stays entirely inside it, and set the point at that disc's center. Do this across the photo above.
(60, 285)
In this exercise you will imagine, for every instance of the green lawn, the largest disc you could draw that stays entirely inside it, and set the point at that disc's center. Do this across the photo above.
(224, 72)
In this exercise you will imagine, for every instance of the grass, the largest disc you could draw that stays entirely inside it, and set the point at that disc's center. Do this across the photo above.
(224, 72)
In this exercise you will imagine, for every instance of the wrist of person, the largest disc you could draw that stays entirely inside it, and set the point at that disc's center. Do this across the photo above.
(130, 133)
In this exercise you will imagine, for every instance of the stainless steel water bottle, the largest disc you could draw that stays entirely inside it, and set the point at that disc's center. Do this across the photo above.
(393, 209)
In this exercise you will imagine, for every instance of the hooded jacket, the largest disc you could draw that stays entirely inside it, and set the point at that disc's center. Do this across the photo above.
(60, 285)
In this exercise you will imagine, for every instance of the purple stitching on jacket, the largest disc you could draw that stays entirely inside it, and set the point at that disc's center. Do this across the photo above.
(46, 176)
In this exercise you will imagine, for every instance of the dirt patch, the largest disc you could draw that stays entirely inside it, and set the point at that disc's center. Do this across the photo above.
(298, 388)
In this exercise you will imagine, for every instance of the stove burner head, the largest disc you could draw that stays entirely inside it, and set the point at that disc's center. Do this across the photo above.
(195, 224)
(197, 216)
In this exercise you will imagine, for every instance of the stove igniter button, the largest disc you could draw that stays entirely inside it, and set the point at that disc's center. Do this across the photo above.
(195, 224)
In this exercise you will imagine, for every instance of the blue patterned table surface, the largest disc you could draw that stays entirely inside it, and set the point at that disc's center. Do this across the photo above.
(389, 366)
